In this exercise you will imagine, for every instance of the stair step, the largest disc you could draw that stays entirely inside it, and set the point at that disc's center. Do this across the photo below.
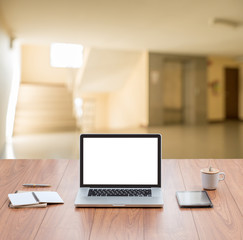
(44, 108)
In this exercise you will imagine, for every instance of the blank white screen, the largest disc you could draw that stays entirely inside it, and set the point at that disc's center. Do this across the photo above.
(120, 161)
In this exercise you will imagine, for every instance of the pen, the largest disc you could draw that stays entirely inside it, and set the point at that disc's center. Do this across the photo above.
(36, 185)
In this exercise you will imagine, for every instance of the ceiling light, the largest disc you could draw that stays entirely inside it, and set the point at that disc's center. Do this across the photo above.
(64, 55)
(226, 22)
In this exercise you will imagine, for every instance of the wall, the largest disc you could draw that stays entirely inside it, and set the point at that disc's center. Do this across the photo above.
(114, 89)
(216, 94)
(128, 106)
(36, 66)
(105, 70)
(6, 75)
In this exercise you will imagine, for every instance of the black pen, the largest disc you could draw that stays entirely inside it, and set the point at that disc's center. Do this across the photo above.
(36, 185)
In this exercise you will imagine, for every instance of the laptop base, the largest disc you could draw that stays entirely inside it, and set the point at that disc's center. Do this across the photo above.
(82, 200)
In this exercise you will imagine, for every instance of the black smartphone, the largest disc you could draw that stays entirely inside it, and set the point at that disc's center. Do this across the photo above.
(193, 199)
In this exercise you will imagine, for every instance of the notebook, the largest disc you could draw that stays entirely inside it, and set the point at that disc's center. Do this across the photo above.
(120, 170)
(34, 199)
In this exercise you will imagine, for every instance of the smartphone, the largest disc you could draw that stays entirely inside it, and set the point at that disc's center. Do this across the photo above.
(193, 199)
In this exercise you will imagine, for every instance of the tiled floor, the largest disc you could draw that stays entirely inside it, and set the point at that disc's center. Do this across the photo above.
(215, 140)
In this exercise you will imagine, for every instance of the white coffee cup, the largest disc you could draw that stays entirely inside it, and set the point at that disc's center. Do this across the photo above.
(211, 177)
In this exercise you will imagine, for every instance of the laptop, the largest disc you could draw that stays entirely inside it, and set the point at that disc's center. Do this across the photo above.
(120, 170)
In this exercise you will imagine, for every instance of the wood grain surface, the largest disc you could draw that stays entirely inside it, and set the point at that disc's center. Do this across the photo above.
(68, 222)
(24, 223)
(223, 221)
(170, 222)
(115, 223)
(11, 173)
(233, 168)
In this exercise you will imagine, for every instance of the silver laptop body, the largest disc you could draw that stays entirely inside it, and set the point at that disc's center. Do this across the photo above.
(120, 170)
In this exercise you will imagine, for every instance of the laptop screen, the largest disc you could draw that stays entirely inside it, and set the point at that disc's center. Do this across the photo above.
(120, 159)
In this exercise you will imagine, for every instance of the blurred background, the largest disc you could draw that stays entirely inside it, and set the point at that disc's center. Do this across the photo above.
(171, 67)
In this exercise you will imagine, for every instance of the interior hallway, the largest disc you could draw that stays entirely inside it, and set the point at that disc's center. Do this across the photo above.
(215, 140)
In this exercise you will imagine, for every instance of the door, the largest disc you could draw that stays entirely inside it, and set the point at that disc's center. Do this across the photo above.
(231, 92)
(172, 92)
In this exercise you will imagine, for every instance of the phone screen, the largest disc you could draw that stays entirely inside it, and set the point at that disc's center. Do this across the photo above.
(193, 199)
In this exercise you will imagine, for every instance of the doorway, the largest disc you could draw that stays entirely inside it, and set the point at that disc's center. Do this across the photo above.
(231, 93)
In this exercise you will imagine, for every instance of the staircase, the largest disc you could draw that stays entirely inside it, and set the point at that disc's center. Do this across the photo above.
(43, 108)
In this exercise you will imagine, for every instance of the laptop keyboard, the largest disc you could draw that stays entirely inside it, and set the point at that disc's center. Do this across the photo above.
(95, 192)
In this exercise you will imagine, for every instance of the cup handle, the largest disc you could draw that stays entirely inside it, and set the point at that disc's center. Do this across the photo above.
(222, 176)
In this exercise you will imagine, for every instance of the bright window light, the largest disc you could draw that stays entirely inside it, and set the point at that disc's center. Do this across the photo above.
(64, 55)
(13, 92)
(78, 104)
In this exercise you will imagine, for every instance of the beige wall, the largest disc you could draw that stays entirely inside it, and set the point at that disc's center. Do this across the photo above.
(216, 98)
(128, 106)
(6, 76)
(36, 66)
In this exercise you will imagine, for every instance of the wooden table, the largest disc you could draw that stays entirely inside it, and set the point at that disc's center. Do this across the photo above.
(224, 221)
